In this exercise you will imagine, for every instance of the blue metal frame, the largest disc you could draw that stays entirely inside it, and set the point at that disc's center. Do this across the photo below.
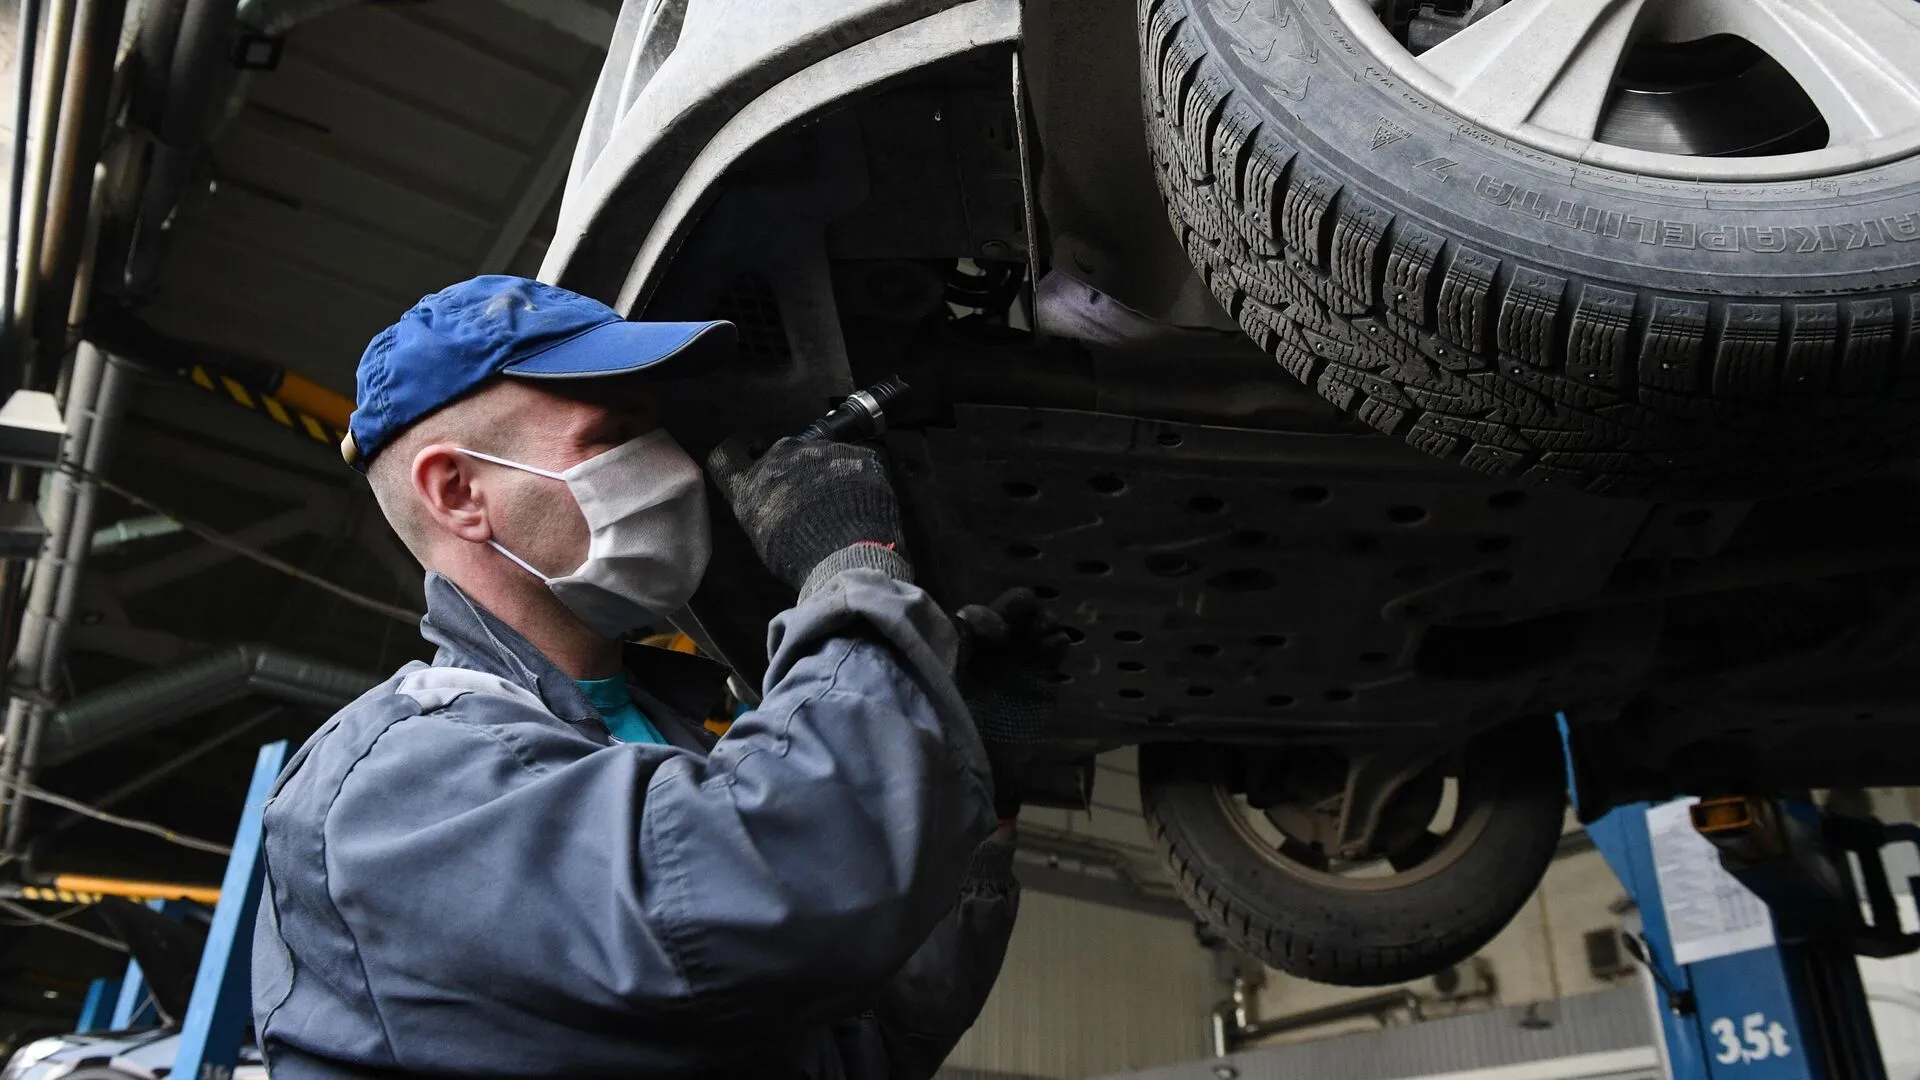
(102, 997)
(1787, 1012)
(132, 1010)
(1795, 1010)
(218, 1014)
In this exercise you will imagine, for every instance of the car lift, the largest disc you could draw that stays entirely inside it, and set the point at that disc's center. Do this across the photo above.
(1753, 911)
(218, 1014)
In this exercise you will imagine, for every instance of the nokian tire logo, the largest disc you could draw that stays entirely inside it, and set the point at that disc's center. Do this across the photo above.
(1681, 233)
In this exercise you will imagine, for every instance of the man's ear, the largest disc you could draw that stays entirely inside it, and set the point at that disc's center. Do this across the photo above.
(443, 478)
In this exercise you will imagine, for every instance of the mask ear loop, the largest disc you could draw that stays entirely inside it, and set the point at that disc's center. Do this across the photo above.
(513, 464)
(495, 544)
(520, 562)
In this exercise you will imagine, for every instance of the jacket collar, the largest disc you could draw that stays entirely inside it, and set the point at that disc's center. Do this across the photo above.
(470, 636)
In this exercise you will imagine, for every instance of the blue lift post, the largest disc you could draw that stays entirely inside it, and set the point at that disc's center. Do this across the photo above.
(97, 1011)
(132, 1010)
(1791, 1006)
(217, 1015)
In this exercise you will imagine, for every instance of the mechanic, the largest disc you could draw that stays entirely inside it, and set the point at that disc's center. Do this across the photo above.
(529, 858)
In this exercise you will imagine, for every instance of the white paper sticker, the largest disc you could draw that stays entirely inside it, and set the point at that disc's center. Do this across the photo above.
(1709, 913)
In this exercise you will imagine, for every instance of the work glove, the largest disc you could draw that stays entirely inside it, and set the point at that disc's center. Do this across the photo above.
(813, 509)
(1008, 674)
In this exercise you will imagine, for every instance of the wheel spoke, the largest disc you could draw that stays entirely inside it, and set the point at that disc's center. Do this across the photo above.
(1305, 854)
(1414, 852)
(1859, 60)
(1551, 62)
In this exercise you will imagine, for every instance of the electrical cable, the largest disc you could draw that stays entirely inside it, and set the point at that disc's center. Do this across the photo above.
(76, 806)
(221, 540)
(55, 917)
(51, 923)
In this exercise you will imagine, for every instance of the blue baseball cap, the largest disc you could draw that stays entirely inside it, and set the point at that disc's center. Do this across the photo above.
(465, 334)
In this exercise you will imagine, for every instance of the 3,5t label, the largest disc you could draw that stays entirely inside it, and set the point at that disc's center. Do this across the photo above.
(1756, 1039)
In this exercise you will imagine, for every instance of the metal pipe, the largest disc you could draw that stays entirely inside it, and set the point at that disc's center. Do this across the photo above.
(192, 67)
(71, 207)
(131, 529)
(96, 443)
(41, 587)
(150, 59)
(1371, 1005)
(23, 66)
(46, 126)
(82, 300)
(196, 73)
(156, 698)
(97, 397)
(1233, 1027)
(110, 405)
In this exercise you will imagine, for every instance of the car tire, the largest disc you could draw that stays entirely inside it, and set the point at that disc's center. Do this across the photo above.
(1518, 311)
(1361, 931)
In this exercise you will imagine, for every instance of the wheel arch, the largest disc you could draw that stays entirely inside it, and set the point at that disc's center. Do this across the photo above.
(726, 95)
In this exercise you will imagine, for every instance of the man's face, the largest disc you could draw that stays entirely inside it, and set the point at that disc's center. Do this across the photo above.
(556, 426)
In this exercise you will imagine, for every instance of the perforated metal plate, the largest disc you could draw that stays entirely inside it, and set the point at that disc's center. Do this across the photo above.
(1259, 583)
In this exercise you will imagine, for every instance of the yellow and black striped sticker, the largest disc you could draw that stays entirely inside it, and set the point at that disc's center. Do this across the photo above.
(62, 896)
(280, 412)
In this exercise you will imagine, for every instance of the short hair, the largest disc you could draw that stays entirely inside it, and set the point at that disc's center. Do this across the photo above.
(479, 421)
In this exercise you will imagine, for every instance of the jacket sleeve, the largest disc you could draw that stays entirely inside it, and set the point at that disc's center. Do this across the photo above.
(784, 879)
(932, 1002)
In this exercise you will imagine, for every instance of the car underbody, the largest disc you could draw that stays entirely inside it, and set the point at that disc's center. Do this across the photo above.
(1239, 562)
(1237, 559)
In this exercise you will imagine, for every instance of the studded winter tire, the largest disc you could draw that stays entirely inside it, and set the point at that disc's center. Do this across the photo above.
(1541, 248)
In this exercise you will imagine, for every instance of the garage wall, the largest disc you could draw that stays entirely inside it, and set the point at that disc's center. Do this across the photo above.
(1089, 990)
(1893, 995)
(1539, 957)
(1598, 1035)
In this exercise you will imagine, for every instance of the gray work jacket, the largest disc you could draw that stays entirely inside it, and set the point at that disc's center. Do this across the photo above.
(467, 876)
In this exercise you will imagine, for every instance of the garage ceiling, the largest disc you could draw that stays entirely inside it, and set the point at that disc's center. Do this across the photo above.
(396, 148)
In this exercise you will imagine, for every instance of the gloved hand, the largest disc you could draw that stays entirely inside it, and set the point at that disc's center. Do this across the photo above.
(806, 505)
(1009, 667)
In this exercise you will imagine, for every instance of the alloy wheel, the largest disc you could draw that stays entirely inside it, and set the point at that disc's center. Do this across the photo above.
(1736, 90)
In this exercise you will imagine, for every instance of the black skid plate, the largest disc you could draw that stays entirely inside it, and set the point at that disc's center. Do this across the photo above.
(1259, 584)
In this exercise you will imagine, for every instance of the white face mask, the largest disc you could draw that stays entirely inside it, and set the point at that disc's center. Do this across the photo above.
(647, 542)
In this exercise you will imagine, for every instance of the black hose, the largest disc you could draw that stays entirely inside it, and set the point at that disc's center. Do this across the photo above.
(198, 72)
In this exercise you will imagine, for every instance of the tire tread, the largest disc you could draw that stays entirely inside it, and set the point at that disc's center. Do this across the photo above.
(1464, 353)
